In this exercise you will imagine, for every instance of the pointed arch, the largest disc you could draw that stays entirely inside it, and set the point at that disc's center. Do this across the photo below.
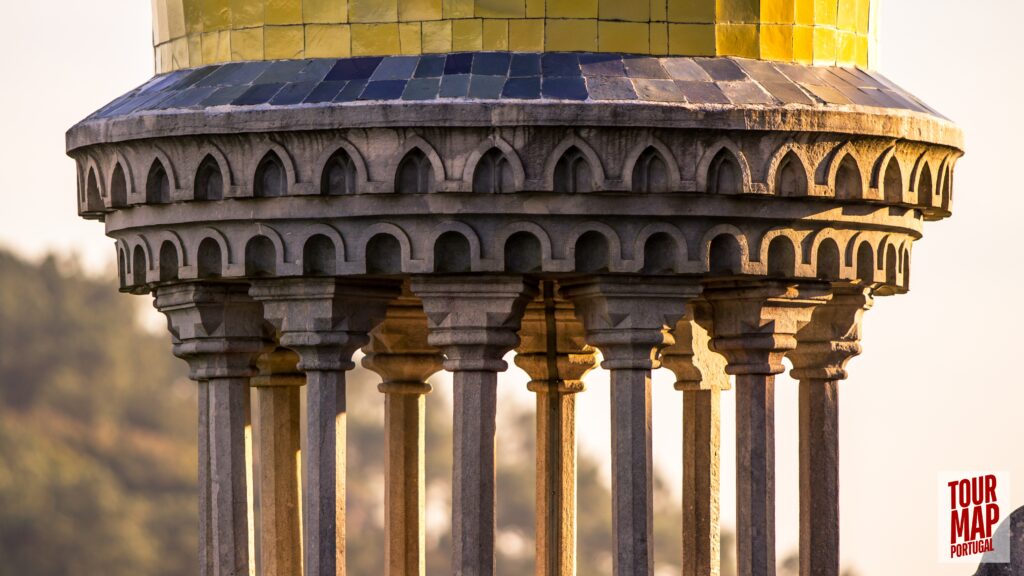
(787, 173)
(93, 192)
(888, 176)
(209, 181)
(227, 171)
(494, 142)
(713, 155)
(592, 158)
(845, 177)
(415, 142)
(337, 146)
(644, 147)
(287, 164)
(270, 180)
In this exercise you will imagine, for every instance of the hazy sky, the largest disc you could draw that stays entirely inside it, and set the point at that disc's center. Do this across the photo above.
(929, 394)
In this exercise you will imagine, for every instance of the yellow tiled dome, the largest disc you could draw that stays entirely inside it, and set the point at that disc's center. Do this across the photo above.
(191, 33)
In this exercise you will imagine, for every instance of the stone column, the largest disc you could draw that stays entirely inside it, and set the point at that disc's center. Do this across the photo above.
(398, 351)
(700, 376)
(474, 320)
(629, 320)
(218, 330)
(325, 321)
(754, 325)
(278, 443)
(554, 353)
(823, 348)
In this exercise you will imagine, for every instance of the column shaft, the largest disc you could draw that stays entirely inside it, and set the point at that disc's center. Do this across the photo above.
(473, 478)
(632, 472)
(819, 477)
(755, 470)
(701, 482)
(556, 483)
(206, 557)
(228, 400)
(324, 459)
(277, 422)
(404, 496)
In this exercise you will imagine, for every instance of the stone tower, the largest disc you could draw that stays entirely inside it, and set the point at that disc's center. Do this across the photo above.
(708, 185)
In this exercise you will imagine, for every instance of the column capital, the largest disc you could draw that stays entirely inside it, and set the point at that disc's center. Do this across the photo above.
(629, 318)
(278, 367)
(552, 348)
(398, 350)
(754, 324)
(691, 359)
(474, 320)
(324, 320)
(216, 327)
(832, 337)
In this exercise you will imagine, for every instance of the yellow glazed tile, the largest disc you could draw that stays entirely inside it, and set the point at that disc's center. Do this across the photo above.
(863, 17)
(628, 37)
(328, 41)
(495, 34)
(216, 47)
(500, 8)
(195, 50)
(863, 51)
(846, 48)
(325, 11)
(458, 8)
(803, 44)
(247, 44)
(410, 38)
(176, 18)
(536, 8)
(437, 36)
(776, 42)
(804, 12)
(738, 11)
(824, 46)
(737, 40)
(161, 30)
(162, 55)
(692, 39)
(375, 39)
(284, 42)
(526, 35)
(418, 10)
(216, 15)
(659, 38)
(284, 12)
(193, 16)
(246, 14)
(687, 11)
(630, 10)
(373, 11)
(825, 12)
(846, 18)
(778, 11)
(571, 35)
(572, 9)
(467, 35)
(659, 10)
(179, 53)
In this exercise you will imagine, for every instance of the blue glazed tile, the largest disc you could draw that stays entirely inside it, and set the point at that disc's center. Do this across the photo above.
(492, 63)
(486, 87)
(225, 95)
(281, 72)
(745, 93)
(701, 92)
(294, 93)
(522, 88)
(454, 86)
(395, 68)
(247, 73)
(324, 92)
(177, 81)
(564, 88)
(685, 69)
(258, 94)
(525, 65)
(421, 89)
(188, 97)
(218, 76)
(458, 63)
(560, 64)
(353, 69)
(316, 71)
(788, 92)
(431, 66)
(351, 91)
(660, 90)
(644, 67)
(602, 65)
(607, 88)
(384, 90)
(721, 69)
